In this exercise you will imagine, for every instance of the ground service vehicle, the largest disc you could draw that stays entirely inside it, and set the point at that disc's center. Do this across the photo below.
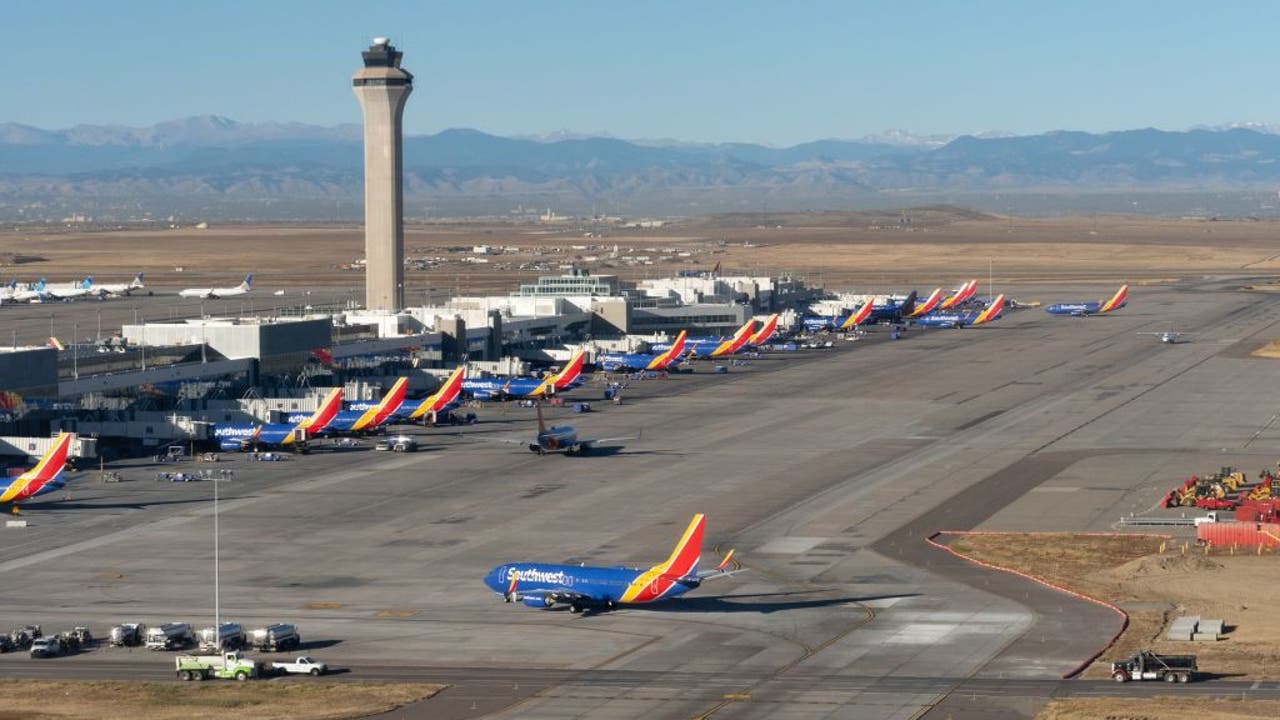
(23, 637)
(1147, 665)
(301, 666)
(47, 647)
(226, 666)
(275, 638)
(81, 635)
(127, 635)
(228, 635)
(169, 636)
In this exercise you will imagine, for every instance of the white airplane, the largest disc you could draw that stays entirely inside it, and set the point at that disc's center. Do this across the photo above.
(70, 292)
(32, 294)
(216, 293)
(119, 288)
(1168, 336)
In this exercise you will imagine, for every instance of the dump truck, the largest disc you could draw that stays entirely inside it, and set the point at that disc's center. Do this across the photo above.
(227, 636)
(275, 638)
(170, 636)
(227, 666)
(1147, 665)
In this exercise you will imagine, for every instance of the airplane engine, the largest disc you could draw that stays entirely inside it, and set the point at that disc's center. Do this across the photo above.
(544, 601)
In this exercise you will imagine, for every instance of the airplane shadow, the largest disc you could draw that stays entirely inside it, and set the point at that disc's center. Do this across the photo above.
(317, 645)
(74, 505)
(726, 604)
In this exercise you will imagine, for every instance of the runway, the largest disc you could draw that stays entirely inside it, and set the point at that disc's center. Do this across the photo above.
(825, 469)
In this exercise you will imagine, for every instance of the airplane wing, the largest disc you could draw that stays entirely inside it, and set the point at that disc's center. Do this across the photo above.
(588, 442)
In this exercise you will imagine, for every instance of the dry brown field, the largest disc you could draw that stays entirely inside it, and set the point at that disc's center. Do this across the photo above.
(1181, 708)
(839, 250)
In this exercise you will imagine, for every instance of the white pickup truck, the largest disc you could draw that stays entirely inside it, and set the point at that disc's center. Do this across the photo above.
(301, 666)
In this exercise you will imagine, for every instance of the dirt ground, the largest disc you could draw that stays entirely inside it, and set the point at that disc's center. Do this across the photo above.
(1156, 587)
(93, 700)
(840, 250)
(1183, 708)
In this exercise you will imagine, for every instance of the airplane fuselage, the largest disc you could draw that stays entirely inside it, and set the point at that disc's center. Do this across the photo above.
(594, 585)
(563, 438)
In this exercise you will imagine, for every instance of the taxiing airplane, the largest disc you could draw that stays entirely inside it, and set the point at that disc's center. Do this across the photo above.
(1168, 336)
(1080, 309)
(119, 288)
(965, 292)
(953, 319)
(580, 587)
(218, 293)
(564, 438)
(238, 436)
(613, 362)
(498, 388)
(45, 477)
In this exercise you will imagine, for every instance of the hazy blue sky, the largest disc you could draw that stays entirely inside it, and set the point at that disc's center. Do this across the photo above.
(777, 72)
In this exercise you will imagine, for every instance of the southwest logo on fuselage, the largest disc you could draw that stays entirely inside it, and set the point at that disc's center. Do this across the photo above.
(580, 587)
(240, 437)
(45, 477)
(1101, 307)
(962, 319)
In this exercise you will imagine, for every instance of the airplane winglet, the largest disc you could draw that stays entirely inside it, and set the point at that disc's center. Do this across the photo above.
(728, 557)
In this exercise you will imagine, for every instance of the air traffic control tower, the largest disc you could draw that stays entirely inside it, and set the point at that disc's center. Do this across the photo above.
(382, 88)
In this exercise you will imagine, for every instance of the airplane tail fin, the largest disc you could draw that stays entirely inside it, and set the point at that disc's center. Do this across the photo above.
(909, 305)
(860, 316)
(992, 312)
(137, 280)
(928, 305)
(448, 392)
(571, 371)
(56, 344)
(1117, 301)
(248, 282)
(683, 561)
(324, 414)
(766, 331)
(46, 472)
(542, 423)
(87, 283)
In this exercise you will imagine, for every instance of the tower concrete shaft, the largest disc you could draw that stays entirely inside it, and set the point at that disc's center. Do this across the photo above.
(382, 89)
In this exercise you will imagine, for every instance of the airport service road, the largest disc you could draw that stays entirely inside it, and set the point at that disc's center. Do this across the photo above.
(824, 469)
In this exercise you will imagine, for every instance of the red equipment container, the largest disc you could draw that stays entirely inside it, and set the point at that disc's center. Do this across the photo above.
(1239, 534)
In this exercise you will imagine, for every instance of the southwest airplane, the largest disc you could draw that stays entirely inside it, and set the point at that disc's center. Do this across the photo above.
(961, 319)
(540, 585)
(710, 347)
(562, 438)
(965, 292)
(45, 477)
(929, 305)
(119, 288)
(494, 388)
(443, 399)
(612, 362)
(217, 293)
(234, 437)
(817, 323)
(765, 333)
(1080, 309)
(356, 421)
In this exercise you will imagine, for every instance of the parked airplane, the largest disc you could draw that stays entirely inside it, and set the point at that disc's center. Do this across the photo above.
(721, 347)
(497, 388)
(613, 362)
(1080, 309)
(961, 319)
(217, 293)
(965, 292)
(70, 291)
(45, 477)
(239, 436)
(358, 421)
(766, 332)
(119, 288)
(869, 312)
(32, 294)
(445, 398)
(930, 304)
(578, 586)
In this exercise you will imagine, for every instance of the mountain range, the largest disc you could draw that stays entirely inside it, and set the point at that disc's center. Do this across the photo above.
(214, 167)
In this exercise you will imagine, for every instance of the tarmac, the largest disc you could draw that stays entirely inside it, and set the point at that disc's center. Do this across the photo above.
(824, 468)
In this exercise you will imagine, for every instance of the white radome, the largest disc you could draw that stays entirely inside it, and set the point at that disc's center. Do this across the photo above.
(381, 41)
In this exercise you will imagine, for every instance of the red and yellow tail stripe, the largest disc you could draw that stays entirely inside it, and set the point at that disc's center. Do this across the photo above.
(992, 312)
(965, 292)
(735, 343)
(1116, 300)
(50, 466)
(447, 393)
(658, 580)
(378, 414)
(571, 371)
(663, 361)
(928, 305)
(324, 414)
(766, 332)
(859, 317)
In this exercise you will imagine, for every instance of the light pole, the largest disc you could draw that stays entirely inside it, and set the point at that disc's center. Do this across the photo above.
(217, 606)
(99, 326)
(75, 350)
